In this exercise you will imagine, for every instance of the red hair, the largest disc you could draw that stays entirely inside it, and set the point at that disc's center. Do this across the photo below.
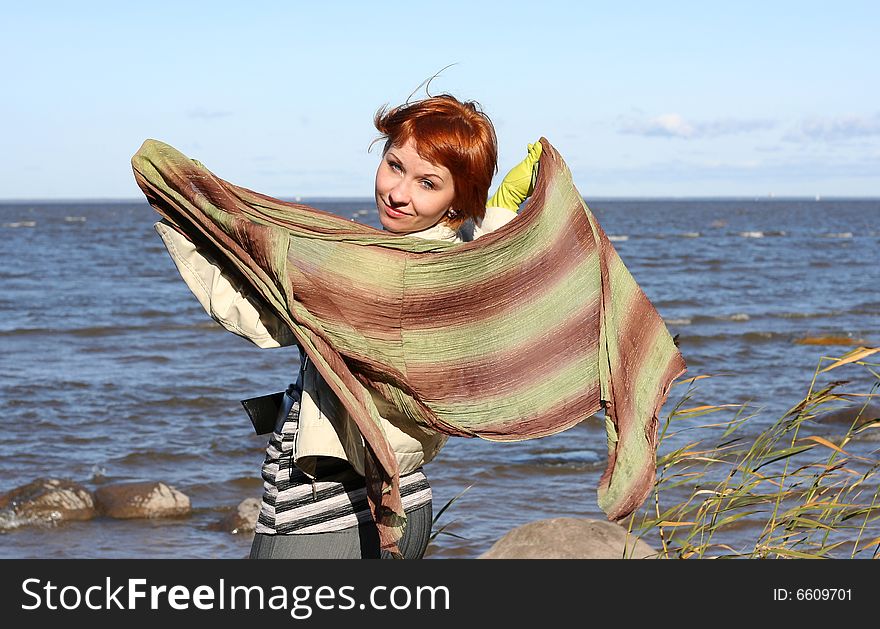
(453, 134)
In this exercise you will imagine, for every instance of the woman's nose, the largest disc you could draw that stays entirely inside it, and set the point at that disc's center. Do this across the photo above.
(399, 195)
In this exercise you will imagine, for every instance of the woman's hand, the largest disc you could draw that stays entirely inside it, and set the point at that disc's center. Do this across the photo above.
(519, 183)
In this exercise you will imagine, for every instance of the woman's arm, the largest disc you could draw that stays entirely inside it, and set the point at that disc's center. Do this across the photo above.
(221, 297)
(519, 182)
(517, 185)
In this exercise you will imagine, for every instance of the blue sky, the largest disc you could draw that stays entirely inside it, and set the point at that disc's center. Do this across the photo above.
(641, 99)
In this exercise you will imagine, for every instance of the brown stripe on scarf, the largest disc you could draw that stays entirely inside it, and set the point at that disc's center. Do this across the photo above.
(549, 351)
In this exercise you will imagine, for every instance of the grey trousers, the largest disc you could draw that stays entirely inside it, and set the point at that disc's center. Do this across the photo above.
(357, 542)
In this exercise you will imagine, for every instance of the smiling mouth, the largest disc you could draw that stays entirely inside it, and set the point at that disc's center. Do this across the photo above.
(390, 211)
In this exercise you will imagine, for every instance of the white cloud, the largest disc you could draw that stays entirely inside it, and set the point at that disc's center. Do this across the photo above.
(837, 128)
(664, 125)
(675, 126)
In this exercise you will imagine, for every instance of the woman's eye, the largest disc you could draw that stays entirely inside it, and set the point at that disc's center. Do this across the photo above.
(395, 166)
(427, 184)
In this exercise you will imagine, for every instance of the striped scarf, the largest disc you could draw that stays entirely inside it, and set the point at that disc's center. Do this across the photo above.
(520, 334)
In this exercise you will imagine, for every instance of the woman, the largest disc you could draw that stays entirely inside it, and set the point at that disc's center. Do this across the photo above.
(437, 165)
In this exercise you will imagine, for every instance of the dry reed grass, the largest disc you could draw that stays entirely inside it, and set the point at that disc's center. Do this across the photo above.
(789, 495)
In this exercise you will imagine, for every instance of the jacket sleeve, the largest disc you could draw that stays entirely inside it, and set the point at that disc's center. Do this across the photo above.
(226, 302)
(495, 217)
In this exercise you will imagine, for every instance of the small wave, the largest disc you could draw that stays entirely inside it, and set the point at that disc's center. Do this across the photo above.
(618, 238)
(537, 466)
(738, 316)
(868, 309)
(838, 235)
(73, 384)
(750, 338)
(690, 234)
(584, 459)
(84, 440)
(159, 359)
(21, 224)
(10, 520)
(760, 336)
(805, 315)
(75, 219)
(763, 234)
(683, 321)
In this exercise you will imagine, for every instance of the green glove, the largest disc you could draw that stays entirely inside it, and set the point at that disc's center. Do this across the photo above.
(519, 183)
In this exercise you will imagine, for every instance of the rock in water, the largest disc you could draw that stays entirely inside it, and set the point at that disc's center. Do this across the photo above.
(569, 538)
(141, 500)
(243, 519)
(46, 501)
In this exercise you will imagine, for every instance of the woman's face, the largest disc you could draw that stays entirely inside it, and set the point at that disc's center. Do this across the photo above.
(411, 194)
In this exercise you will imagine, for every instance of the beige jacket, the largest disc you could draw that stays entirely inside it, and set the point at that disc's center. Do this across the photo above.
(325, 427)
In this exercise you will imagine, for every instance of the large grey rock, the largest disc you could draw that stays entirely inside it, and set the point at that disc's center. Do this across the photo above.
(242, 520)
(46, 501)
(569, 538)
(141, 500)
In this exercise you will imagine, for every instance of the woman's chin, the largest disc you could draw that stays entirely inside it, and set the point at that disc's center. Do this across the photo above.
(392, 225)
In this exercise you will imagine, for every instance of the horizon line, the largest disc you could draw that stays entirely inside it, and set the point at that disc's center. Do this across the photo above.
(327, 198)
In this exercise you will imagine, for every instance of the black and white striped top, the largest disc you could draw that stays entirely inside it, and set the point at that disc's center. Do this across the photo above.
(293, 503)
